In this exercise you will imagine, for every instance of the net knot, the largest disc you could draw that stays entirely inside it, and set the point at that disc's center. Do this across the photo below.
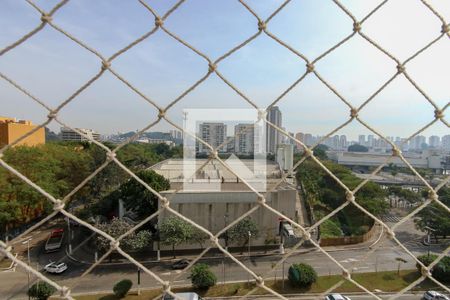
(164, 202)
(262, 26)
(396, 151)
(105, 65)
(350, 196)
(259, 281)
(346, 274)
(438, 114)
(65, 292)
(46, 18)
(214, 154)
(159, 22)
(425, 272)
(445, 28)
(433, 195)
(114, 245)
(400, 68)
(52, 114)
(212, 67)
(261, 200)
(356, 27)
(310, 67)
(162, 113)
(214, 240)
(390, 233)
(308, 152)
(166, 287)
(58, 205)
(353, 112)
(306, 235)
(111, 155)
(262, 113)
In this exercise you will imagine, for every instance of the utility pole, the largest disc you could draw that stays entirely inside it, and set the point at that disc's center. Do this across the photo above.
(249, 258)
(139, 281)
(29, 261)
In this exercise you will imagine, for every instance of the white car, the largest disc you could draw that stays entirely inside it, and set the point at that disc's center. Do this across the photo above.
(433, 295)
(55, 268)
(336, 297)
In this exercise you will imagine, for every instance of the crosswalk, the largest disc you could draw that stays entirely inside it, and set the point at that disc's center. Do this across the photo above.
(391, 218)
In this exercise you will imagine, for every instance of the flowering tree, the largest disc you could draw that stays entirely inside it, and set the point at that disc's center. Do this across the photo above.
(134, 241)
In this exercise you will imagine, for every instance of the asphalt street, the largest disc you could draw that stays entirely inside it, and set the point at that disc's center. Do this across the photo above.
(102, 278)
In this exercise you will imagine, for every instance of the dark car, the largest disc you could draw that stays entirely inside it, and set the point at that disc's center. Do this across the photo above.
(180, 264)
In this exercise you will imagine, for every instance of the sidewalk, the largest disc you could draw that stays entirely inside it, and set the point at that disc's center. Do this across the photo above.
(80, 255)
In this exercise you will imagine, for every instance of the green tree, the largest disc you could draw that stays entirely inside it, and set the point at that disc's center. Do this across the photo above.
(441, 271)
(175, 231)
(239, 233)
(320, 152)
(138, 198)
(202, 277)
(357, 148)
(302, 275)
(435, 217)
(41, 290)
(122, 287)
(133, 242)
(199, 236)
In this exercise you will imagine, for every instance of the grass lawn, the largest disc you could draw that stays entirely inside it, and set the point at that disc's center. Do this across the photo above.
(385, 281)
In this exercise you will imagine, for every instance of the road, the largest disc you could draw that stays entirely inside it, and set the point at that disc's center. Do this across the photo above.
(103, 277)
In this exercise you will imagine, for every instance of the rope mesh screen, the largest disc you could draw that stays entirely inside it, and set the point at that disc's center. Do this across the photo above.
(262, 27)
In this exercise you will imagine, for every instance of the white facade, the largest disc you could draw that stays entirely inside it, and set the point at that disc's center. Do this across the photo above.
(285, 156)
(244, 138)
(214, 134)
(68, 134)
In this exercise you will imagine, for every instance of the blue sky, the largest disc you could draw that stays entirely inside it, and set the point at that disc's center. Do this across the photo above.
(52, 67)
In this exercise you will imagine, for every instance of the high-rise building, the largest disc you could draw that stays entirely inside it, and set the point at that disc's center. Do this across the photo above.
(273, 136)
(244, 137)
(176, 134)
(370, 140)
(343, 141)
(12, 129)
(335, 142)
(446, 142)
(301, 137)
(434, 141)
(309, 140)
(68, 134)
(214, 134)
(362, 139)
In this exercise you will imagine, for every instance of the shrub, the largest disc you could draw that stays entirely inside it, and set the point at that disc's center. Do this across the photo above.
(122, 287)
(441, 271)
(302, 275)
(41, 290)
(202, 277)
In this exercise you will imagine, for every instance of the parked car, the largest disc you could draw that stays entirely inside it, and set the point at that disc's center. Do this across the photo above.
(433, 295)
(185, 296)
(55, 267)
(336, 297)
(54, 240)
(180, 264)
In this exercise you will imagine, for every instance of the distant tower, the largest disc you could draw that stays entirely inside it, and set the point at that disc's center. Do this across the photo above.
(273, 136)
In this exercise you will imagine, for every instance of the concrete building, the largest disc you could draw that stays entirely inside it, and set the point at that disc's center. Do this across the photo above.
(285, 156)
(156, 141)
(12, 129)
(434, 141)
(216, 209)
(68, 134)
(214, 134)
(244, 138)
(432, 159)
(446, 142)
(362, 139)
(273, 136)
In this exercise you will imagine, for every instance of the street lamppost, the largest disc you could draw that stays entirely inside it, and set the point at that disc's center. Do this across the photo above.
(28, 255)
(248, 275)
(429, 231)
(225, 235)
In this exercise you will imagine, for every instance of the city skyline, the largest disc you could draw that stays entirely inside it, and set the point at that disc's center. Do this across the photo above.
(52, 67)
